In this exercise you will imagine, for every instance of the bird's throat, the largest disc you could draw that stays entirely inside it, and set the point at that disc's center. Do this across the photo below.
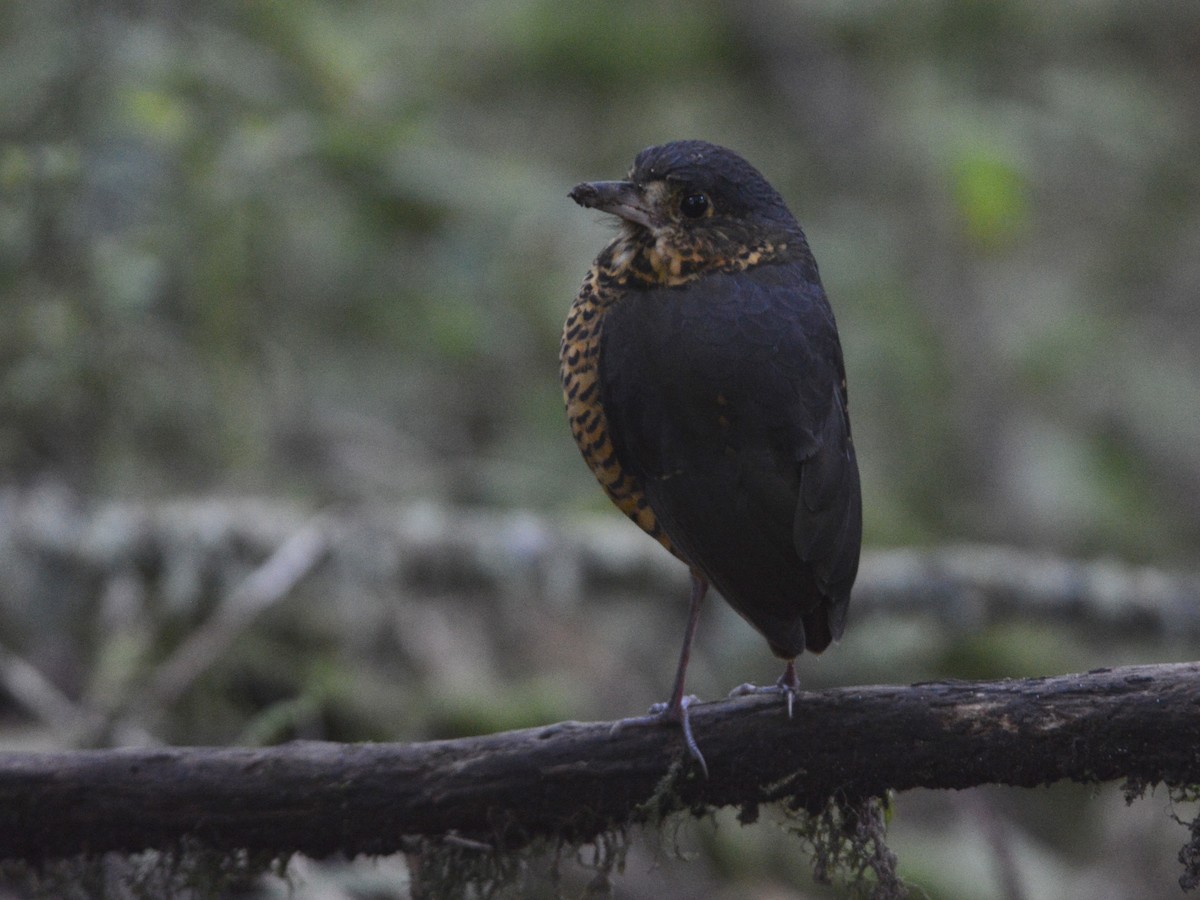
(673, 257)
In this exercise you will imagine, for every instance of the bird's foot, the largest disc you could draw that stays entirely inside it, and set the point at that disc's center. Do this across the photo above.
(667, 712)
(788, 685)
(744, 690)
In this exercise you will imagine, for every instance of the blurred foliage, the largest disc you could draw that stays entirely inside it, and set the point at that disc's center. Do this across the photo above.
(323, 250)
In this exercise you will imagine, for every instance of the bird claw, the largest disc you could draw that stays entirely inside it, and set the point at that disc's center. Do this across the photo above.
(788, 690)
(663, 712)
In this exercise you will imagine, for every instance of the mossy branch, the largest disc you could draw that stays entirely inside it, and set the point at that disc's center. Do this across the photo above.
(574, 781)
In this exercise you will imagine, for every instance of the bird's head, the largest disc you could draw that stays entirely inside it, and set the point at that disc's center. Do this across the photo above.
(688, 207)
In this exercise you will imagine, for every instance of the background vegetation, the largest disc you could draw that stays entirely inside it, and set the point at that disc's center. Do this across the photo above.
(321, 252)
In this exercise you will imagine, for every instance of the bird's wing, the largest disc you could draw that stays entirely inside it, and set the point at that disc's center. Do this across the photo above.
(727, 399)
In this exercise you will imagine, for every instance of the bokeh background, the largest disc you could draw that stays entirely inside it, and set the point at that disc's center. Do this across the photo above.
(263, 260)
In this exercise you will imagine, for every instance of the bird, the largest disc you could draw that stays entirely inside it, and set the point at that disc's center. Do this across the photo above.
(705, 387)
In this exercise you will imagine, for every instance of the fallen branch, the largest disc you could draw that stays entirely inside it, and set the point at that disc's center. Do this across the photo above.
(575, 781)
(970, 585)
(414, 550)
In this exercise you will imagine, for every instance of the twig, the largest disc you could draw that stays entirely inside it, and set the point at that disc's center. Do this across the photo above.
(38, 695)
(267, 585)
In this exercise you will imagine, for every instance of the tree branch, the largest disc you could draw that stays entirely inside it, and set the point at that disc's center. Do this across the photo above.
(968, 585)
(574, 780)
(64, 549)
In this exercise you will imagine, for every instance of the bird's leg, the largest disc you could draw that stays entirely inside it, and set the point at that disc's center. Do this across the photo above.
(676, 709)
(788, 684)
(699, 588)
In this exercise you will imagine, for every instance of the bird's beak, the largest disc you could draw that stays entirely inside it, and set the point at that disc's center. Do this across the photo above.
(621, 198)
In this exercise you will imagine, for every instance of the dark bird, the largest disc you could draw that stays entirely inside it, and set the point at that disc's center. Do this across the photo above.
(704, 384)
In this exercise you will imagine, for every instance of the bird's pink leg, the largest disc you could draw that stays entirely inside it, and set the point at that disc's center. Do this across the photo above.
(676, 709)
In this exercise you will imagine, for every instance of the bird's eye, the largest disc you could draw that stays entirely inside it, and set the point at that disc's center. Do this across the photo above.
(694, 205)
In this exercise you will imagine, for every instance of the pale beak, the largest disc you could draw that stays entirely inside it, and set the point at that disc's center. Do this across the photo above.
(620, 198)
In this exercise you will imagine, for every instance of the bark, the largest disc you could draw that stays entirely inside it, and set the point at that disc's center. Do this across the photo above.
(575, 780)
